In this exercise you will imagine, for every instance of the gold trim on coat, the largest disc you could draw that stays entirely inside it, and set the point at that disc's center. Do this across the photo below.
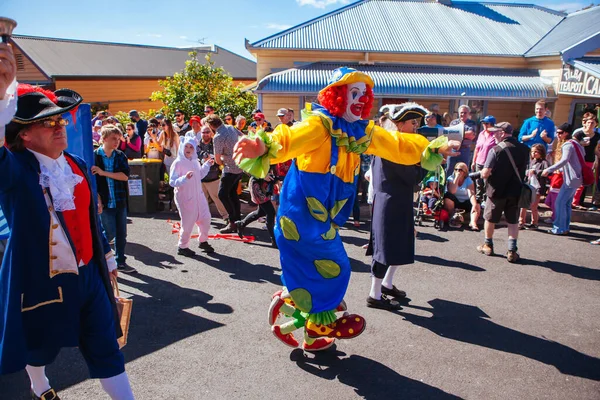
(44, 303)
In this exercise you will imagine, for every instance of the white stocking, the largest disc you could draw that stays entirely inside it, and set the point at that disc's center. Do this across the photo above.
(375, 288)
(118, 387)
(388, 280)
(39, 381)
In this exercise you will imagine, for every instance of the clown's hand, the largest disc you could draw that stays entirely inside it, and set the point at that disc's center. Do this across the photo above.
(248, 148)
(450, 149)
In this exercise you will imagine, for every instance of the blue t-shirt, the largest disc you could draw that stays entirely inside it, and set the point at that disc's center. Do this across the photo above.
(532, 124)
(461, 192)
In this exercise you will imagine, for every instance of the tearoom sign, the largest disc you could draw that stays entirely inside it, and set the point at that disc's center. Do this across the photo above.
(577, 82)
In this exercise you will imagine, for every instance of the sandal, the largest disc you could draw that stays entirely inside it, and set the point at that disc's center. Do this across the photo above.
(474, 228)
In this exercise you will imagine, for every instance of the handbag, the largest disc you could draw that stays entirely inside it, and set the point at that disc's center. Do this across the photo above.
(557, 180)
(528, 193)
(124, 311)
(587, 174)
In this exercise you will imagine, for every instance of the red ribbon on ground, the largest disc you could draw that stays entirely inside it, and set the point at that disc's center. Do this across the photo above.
(176, 227)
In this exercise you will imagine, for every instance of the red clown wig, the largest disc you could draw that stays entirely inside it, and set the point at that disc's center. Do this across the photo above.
(335, 100)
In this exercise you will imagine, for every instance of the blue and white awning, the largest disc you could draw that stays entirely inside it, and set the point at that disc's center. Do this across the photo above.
(400, 80)
(4, 231)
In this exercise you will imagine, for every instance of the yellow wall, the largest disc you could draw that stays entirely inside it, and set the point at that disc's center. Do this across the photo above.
(120, 94)
(272, 103)
(29, 72)
(269, 61)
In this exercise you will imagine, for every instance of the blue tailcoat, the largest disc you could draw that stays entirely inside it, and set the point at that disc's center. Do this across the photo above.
(51, 318)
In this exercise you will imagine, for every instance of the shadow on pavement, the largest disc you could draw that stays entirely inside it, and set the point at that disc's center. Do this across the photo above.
(469, 324)
(147, 256)
(564, 268)
(157, 321)
(430, 237)
(370, 379)
(433, 260)
(240, 269)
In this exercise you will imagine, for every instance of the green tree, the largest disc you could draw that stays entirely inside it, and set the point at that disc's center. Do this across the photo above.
(200, 84)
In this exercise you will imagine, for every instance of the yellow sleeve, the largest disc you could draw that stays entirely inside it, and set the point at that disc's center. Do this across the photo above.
(302, 138)
(400, 148)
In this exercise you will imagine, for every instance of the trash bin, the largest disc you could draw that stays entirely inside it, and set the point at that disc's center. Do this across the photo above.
(144, 180)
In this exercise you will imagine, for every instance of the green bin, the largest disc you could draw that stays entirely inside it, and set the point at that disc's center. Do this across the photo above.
(144, 180)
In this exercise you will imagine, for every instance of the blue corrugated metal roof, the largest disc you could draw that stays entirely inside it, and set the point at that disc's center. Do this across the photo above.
(588, 64)
(572, 30)
(422, 26)
(396, 80)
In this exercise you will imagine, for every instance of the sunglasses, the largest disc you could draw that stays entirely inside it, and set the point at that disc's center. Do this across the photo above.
(163, 124)
(458, 169)
(51, 123)
(178, 115)
(228, 119)
(129, 129)
(206, 111)
(258, 119)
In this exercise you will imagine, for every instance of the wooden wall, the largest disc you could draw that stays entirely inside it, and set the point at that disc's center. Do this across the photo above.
(27, 72)
(119, 94)
(271, 103)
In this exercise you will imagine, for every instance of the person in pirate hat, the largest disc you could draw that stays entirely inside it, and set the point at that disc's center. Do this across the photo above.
(317, 198)
(392, 221)
(54, 279)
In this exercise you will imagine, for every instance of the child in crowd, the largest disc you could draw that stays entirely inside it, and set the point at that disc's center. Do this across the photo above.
(186, 177)
(431, 195)
(537, 164)
(261, 191)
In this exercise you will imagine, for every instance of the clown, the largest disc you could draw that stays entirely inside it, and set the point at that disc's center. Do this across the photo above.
(317, 198)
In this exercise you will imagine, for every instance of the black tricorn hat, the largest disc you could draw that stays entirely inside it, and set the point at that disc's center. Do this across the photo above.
(403, 112)
(35, 104)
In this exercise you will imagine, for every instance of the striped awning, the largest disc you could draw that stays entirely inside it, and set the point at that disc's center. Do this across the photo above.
(400, 80)
(4, 231)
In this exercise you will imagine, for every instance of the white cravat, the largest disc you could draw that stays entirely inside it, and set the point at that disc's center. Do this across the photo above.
(58, 176)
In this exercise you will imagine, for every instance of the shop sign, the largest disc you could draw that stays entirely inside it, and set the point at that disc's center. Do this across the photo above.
(577, 82)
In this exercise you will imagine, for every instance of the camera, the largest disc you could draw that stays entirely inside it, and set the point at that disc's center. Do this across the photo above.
(475, 175)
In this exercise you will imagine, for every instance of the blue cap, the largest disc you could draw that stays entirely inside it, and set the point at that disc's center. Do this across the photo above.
(489, 120)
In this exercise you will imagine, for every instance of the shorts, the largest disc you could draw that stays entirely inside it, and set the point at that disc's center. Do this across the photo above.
(494, 208)
(461, 205)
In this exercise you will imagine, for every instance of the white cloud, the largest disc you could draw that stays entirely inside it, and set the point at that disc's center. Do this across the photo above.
(182, 37)
(321, 3)
(154, 35)
(279, 27)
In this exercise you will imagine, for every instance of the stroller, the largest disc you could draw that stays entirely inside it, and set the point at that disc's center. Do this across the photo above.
(436, 211)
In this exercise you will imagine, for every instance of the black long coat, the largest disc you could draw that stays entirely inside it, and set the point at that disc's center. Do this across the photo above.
(392, 240)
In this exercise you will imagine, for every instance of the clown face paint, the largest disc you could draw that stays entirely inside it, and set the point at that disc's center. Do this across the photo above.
(357, 97)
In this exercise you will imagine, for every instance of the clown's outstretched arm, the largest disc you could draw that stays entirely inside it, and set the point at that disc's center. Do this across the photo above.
(410, 148)
(8, 107)
(255, 154)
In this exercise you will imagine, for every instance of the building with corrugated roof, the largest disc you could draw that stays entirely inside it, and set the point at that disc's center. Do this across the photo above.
(498, 58)
(114, 76)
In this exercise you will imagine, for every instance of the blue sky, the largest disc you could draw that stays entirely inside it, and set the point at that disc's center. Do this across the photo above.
(179, 23)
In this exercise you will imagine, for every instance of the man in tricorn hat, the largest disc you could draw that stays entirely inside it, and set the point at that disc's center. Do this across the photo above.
(54, 280)
(392, 221)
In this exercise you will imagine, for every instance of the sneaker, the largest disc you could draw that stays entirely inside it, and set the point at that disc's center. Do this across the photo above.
(533, 227)
(205, 247)
(593, 208)
(384, 304)
(231, 228)
(126, 269)
(486, 249)
(186, 252)
(512, 256)
(521, 227)
(240, 228)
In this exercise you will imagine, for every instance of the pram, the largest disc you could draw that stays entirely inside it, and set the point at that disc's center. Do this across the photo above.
(437, 212)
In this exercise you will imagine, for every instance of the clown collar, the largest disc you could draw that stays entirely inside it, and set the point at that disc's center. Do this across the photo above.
(354, 136)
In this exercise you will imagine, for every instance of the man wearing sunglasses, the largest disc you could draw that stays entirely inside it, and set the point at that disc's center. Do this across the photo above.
(181, 126)
(54, 278)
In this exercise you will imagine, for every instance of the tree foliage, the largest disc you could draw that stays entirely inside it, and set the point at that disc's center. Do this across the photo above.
(201, 84)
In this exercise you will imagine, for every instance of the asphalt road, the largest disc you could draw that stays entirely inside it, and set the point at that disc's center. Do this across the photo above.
(475, 327)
